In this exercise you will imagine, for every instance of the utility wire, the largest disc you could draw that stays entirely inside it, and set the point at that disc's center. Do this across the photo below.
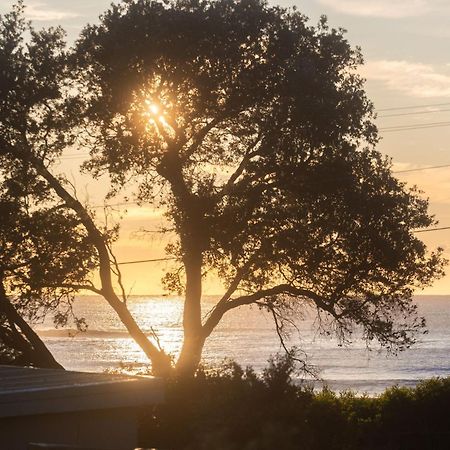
(113, 204)
(399, 108)
(421, 168)
(413, 113)
(417, 126)
(431, 229)
(172, 259)
(145, 261)
(413, 107)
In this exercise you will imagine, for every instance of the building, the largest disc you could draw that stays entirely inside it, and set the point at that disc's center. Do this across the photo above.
(91, 410)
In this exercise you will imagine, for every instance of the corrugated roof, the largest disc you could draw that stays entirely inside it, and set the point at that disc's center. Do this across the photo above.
(27, 391)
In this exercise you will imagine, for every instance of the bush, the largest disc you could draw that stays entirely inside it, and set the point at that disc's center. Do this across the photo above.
(234, 409)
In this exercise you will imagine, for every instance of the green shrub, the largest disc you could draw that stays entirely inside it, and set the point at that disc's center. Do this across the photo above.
(234, 409)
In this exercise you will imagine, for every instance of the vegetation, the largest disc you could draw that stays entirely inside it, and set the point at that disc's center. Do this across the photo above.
(233, 409)
(251, 131)
(44, 252)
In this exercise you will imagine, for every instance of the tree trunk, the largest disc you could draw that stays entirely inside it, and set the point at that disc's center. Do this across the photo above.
(190, 356)
(26, 341)
(161, 363)
(194, 337)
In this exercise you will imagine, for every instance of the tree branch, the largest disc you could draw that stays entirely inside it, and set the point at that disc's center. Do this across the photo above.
(74, 287)
(305, 367)
(33, 345)
(199, 137)
(240, 169)
(217, 313)
(242, 271)
(160, 361)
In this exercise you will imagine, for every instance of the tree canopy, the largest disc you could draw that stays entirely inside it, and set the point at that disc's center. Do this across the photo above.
(251, 130)
(43, 249)
(254, 130)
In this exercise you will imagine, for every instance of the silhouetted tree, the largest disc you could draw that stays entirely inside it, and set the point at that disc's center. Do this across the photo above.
(252, 131)
(43, 253)
(58, 236)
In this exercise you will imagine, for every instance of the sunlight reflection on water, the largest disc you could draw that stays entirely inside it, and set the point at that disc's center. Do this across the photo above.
(248, 336)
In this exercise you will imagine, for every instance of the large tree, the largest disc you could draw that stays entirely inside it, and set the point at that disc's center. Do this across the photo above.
(251, 130)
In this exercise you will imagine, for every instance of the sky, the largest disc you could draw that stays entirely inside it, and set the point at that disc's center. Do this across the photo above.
(406, 48)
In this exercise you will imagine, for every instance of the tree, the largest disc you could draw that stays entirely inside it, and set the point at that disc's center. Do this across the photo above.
(44, 251)
(50, 241)
(251, 130)
(41, 251)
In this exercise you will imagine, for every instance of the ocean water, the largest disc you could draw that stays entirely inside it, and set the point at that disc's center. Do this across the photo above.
(247, 335)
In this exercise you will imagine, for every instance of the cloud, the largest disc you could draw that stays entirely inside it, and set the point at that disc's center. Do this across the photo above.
(40, 12)
(414, 79)
(392, 9)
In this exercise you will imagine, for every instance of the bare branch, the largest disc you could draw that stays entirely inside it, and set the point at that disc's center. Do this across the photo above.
(305, 367)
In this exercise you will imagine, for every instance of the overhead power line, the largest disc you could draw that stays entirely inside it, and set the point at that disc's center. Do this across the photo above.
(398, 108)
(419, 126)
(431, 229)
(111, 205)
(419, 169)
(414, 113)
(146, 261)
(172, 259)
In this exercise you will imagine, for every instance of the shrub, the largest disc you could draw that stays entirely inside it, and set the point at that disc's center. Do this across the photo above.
(235, 409)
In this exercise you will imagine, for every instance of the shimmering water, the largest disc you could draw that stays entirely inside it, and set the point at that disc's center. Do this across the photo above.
(247, 336)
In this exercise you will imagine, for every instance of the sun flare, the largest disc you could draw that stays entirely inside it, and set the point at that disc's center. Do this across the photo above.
(153, 108)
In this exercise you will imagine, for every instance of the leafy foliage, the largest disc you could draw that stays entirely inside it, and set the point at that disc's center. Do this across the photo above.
(234, 408)
(43, 250)
(252, 128)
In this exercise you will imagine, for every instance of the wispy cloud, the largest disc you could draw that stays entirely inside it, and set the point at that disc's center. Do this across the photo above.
(414, 79)
(41, 12)
(393, 9)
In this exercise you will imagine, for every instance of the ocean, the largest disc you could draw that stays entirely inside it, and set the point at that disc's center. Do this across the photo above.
(247, 335)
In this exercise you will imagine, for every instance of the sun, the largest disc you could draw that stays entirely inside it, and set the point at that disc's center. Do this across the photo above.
(153, 108)
(155, 114)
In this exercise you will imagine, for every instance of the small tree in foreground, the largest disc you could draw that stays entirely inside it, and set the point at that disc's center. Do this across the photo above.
(251, 130)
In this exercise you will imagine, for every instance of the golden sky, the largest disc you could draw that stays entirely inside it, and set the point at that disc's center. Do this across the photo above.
(407, 63)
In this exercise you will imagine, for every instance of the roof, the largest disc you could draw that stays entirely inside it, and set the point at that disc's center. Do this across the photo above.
(30, 391)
